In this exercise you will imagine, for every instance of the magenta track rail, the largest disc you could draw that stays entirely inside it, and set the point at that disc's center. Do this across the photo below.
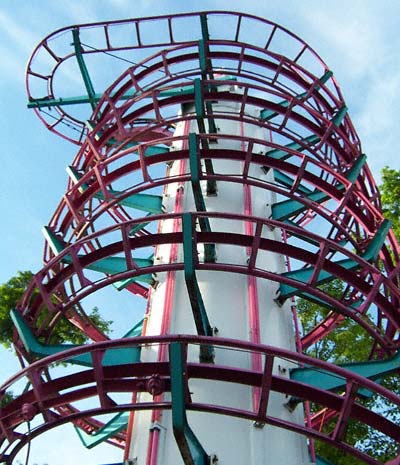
(328, 210)
(45, 396)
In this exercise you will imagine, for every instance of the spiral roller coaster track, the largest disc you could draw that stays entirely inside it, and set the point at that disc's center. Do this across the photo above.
(179, 71)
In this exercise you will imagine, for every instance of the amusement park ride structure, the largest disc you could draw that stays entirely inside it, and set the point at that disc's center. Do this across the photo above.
(219, 178)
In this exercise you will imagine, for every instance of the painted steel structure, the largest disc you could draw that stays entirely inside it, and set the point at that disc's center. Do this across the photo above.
(265, 198)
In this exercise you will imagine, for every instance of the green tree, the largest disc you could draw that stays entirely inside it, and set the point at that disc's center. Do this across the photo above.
(348, 343)
(12, 291)
(390, 195)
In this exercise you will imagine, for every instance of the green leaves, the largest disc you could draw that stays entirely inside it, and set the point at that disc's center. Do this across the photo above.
(10, 293)
(64, 332)
(349, 343)
(390, 195)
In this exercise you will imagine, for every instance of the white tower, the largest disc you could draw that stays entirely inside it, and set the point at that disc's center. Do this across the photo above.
(266, 196)
(238, 306)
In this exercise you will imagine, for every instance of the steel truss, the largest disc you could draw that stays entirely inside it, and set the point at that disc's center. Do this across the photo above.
(113, 205)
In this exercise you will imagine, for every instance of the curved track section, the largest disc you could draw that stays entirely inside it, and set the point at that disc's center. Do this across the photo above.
(107, 226)
(101, 382)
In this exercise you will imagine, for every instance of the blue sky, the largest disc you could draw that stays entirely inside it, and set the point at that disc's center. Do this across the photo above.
(359, 40)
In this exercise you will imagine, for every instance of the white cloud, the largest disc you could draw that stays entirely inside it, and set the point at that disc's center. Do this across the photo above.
(12, 67)
(78, 12)
(15, 34)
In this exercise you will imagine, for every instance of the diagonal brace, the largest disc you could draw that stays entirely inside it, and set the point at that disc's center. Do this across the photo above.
(190, 447)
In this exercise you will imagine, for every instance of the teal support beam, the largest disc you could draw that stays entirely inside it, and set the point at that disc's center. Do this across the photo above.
(111, 357)
(107, 265)
(308, 239)
(324, 78)
(204, 27)
(373, 370)
(353, 173)
(200, 115)
(289, 208)
(47, 102)
(139, 226)
(281, 154)
(206, 68)
(189, 446)
(118, 423)
(267, 115)
(287, 181)
(56, 244)
(199, 105)
(202, 323)
(339, 117)
(203, 58)
(194, 160)
(303, 275)
(83, 69)
(145, 202)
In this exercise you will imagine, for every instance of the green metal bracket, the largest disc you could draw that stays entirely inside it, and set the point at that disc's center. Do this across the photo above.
(55, 243)
(206, 68)
(204, 27)
(304, 275)
(267, 115)
(199, 108)
(112, 357)
(209, 249)
(83, 69)
(65, 101)
(310, 240)
(139, 226)
(199, 105)
(289, 208)
(118, 423)
(202, 323)
(353, 173)
(202, 58)
(189, 446)
(373, 370)
(107, 265)
(287, 181)
(324, 78)
(339, 117)
(144, 202)
(47, 102)
(280, 154)
(194, 162)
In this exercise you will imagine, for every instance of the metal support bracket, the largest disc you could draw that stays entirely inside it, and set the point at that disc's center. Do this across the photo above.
(190, 447)
(107, 265)
(195, 169)
(303, 275)
(196, 300)
(83, 69)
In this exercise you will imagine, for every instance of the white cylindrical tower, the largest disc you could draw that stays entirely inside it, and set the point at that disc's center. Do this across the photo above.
(218, 179)
(238, 306)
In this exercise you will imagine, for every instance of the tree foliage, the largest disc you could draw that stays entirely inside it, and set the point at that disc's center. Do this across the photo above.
(390, 195)
(12, 291)
(349, 343)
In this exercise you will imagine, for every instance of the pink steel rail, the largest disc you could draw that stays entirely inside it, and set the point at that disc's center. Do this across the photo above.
(137, 113)
(54, 51)
(99, 382)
